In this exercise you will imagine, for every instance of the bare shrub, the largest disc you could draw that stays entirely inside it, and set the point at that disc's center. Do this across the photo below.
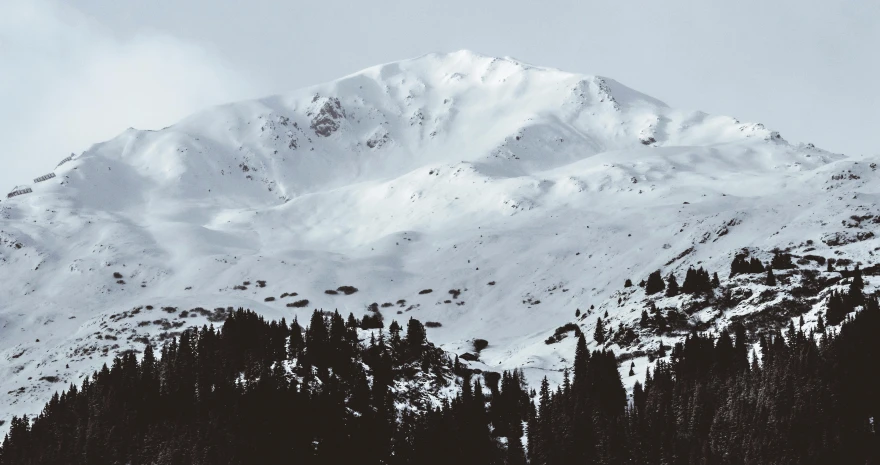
(347, 290)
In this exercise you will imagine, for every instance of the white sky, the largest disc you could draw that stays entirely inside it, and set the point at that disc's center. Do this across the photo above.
(77, 72)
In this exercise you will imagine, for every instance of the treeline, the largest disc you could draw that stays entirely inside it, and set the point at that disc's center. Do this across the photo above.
(812, 399)
(696, 281)
(265, 392)
(271, 393)
(742, 264)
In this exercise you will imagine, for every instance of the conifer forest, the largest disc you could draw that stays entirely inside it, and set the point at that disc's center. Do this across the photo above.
(259, 392)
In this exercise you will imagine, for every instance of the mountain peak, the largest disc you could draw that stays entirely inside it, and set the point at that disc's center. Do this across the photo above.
(488, 196)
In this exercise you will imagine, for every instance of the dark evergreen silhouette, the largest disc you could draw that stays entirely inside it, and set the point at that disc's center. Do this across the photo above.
(268, 393)
(839, 305)
(265, 392)
(654, 284)
(697, 282)
(743, 265)
(755, 266)
(740, 265)
(671, 286)
(781, 261)
(808, 402)
(599, 332)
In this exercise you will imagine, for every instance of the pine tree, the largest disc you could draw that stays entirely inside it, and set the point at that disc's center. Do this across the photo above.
(771, 280)
(515, 452)
(838, 306)
(739, 265)
(697, 281)
(296, 342)
(705, 281)
(580, 404)
(671, 286)
(351, 327)
(394, 335)
(690, 285)
(599, 332)
(781, 261)
(755, 266)
(856, 286)
(654, 284)
(791, 334)
(415, 337)
(581, 358)
(543, 440)
(317, 341)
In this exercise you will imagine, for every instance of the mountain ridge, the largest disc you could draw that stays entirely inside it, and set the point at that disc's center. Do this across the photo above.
(446, 172)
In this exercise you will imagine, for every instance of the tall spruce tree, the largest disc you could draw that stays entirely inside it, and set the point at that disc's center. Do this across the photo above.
(671, 286)
(655, 283)
(599, 331)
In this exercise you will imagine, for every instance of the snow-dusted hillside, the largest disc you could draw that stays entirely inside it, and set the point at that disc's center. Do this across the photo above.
(517, 194)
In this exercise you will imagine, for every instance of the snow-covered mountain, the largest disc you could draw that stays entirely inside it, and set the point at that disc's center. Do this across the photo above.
(490, 196)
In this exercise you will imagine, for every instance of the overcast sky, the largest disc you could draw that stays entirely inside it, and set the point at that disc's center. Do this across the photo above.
(77, 72)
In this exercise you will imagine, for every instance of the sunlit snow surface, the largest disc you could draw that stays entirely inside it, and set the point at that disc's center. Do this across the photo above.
(446, 172)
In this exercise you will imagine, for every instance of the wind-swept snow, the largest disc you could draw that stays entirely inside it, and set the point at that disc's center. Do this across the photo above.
(446, 172)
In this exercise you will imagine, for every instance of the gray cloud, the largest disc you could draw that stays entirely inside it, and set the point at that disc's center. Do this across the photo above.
(67, 82)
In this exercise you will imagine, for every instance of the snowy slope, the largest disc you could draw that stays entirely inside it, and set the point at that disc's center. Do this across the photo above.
(445, 172)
